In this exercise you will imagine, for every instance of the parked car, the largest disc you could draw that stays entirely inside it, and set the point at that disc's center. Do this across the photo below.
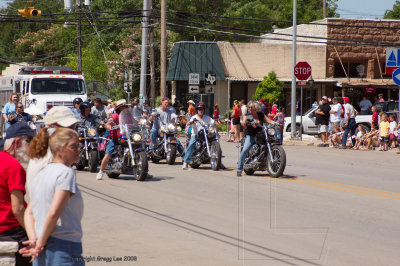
(309, 126)
(388, 107)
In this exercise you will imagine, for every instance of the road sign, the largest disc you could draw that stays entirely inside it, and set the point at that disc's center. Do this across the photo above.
(302, 70)
(392, 60)
(210, 89)
(211, 78)
(194, 78)
(302, 82)
(193, 88)
(396, 76)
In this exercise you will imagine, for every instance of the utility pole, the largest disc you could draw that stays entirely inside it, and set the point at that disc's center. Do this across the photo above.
(143, 66)
(293, 100)
(78, 3)
(152, 60)
(324, 8)
(163, 59)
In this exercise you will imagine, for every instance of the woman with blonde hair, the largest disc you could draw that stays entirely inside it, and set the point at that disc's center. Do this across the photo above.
(236, 114)
(53, 216)
(10, 108)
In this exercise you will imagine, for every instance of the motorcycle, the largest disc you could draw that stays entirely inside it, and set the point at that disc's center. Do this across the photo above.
(88, 155)
(207, 148)
(145, 126)
(267, 153)
(130, 156)
(165, 145)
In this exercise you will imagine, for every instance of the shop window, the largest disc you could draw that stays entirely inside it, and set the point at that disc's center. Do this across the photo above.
(353, 70)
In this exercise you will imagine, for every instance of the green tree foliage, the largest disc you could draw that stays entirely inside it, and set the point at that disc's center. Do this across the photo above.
(270, 89)
(394, 13)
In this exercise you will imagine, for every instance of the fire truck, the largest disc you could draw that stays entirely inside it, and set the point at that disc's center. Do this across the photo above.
(42, 87)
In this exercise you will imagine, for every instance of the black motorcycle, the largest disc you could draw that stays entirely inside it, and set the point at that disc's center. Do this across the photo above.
(130, 156)
(165, 145)
(207, 148)
(267, 153)
(88, 155)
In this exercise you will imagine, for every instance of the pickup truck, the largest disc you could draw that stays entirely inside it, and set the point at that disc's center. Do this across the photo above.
(309, 126)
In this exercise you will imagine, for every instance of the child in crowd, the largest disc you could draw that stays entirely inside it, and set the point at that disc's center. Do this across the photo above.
(231, 133)
(375, 117)
(392, 131)
(371, 138)
(384, 133)
(359, 137)
(335, 139)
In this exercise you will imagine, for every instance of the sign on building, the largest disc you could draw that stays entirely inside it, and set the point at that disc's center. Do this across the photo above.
(392, 60)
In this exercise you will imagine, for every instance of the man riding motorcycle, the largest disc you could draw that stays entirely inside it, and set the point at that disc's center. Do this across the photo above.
(204, 120)
(88, 120)
(75, 110)
(114, 134)
(161, 116)
(250, 131)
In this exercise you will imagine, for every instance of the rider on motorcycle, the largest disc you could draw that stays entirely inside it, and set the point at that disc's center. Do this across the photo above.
(87, 119)
(250, 131)
(204, 120)
(114, 134)
(163, 115)
(75, 110)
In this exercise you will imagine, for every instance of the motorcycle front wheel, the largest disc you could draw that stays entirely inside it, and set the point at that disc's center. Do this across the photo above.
(171, 154)
(93, 161)
(142, 166)
(216, 155)
(80, 165)
(276, 168)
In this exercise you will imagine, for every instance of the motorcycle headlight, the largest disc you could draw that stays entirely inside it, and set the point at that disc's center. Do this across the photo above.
(137, 137)
(92, 132)
(211, 130)
(271, 132)
(171, 127)
(162, 128)
(179, 129)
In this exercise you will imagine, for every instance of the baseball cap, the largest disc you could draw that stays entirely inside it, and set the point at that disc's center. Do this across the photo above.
(262, 100)
(346, 99)
(19, 129)
(61, 115)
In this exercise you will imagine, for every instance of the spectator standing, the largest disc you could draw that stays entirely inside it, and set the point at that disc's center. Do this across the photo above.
(9, 109)
(335, 113)
(322, 120)
(236, 114)
(12, 186)
(54, 214)
(365, 106)
(216, 112)
(20, 115)
(99, 110)
(279, 119)
(176, 105)
(273, 111)
(350, 122)
(243, 110)
(191, 109)
(380, 97)
(393, 131)
(263, 107)
(375, 116)
(384, 133)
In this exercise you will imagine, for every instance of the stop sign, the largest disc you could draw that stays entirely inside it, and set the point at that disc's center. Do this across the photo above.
(302, 71)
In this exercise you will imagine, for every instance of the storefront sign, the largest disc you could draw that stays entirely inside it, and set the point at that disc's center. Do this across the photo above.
(369, 90)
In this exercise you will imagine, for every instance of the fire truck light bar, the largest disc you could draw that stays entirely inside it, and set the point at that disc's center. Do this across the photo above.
(56, 72)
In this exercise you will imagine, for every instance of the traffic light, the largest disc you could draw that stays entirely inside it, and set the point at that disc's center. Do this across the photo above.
(29, 11)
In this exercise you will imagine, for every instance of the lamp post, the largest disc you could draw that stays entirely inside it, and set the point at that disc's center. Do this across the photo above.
(311, 82)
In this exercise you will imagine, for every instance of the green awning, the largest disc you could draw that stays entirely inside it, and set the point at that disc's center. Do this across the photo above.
(194, 57)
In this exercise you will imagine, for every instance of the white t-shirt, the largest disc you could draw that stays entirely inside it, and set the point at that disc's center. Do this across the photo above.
(392, 127)
(349, 109)
(336, 116)
(206, 120)
(34, 167)
(55, 177)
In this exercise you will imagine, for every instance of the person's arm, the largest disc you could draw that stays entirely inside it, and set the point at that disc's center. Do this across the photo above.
(17, 205)
(244, 121)
(60, 199)
(269, 121)
(29, 220)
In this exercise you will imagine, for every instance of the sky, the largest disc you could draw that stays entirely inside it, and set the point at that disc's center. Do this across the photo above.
(346, 8)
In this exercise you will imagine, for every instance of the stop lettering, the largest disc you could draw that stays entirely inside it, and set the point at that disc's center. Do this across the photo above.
(302, 71)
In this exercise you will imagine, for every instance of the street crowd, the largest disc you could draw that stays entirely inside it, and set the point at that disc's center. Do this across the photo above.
(336, 120)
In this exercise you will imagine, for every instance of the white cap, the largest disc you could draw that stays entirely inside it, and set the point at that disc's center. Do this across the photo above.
(61, 115)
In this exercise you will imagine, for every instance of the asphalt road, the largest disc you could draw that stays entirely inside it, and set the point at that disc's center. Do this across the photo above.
(332, 207)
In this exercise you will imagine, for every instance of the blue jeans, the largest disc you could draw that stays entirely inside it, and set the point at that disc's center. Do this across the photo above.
(248, 142)
(351, 127)
(189, 149)
(60, 252)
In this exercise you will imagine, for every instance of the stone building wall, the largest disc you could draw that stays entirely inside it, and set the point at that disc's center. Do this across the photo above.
(387, 32)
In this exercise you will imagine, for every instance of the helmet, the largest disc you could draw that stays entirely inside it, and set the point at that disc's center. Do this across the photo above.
(77, 100)
(83, 106)
(200, 105)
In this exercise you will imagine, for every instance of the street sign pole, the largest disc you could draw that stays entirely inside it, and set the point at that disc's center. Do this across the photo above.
(301, 113)
(293, 100)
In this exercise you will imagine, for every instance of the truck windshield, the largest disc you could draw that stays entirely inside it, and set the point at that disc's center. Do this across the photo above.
(58, 86)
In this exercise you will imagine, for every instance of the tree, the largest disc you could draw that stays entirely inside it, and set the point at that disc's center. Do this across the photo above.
(394, 13)
(270, 89)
